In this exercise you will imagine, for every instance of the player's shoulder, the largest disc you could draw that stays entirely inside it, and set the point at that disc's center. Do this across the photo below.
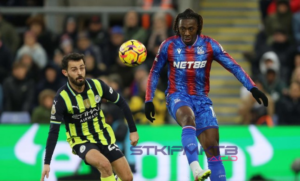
(209, 39)
(171, 39)
(60, 90)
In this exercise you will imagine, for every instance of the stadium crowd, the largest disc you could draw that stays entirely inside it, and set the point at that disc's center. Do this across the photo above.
(30, 63)
(275, 64)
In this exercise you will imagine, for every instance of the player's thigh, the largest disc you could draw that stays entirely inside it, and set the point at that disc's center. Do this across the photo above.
(185, 116)
(122, 169)
(205, 118)
(180, 107)
(91, 155)
(97, 159)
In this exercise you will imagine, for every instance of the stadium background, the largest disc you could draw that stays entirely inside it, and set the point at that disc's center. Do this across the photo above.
(259, 34)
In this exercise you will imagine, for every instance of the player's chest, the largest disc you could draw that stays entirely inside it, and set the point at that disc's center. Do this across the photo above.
(189, 57)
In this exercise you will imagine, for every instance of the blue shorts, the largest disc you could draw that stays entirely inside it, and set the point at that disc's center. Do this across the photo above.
(205, 117)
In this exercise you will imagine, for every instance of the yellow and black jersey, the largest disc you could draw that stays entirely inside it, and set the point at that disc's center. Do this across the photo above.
(82, 115)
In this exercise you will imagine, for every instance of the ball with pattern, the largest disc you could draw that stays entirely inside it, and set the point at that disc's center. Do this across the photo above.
(132, 53)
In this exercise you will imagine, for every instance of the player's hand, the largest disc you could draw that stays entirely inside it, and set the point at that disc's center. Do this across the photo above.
(257, 94)
(45, 172)
(150, 111)
(134, 138)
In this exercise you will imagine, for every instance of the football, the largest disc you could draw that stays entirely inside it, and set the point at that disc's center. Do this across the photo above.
(132, 53)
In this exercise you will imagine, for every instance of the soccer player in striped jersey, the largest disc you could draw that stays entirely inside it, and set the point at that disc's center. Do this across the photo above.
(189, 56)
(78, 105)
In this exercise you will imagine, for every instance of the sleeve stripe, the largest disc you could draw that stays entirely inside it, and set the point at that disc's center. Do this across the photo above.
(55, 122)
(117, 98)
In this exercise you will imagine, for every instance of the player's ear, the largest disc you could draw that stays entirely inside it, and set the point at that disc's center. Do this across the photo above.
(64, 72)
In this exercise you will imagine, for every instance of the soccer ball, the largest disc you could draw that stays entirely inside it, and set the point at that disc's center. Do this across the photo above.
(132, 53)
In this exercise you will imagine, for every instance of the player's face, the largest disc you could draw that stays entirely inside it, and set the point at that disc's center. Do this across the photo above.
(76, 72)
(188, 30)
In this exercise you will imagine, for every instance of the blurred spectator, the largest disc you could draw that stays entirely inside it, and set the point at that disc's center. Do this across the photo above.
(66, 44)
(112, 48)
(44, 37)
(269, 60)
(284, 50)
(140, 74)
(50, 79)
(296, 75)
(132, 28)
(282, 19)
(269, 68)
(58, 56)
(272, 84)
(9, 35)
(253, 112)
(294, 5)
(92, 70)
(288, 108)
(85, 46)
(42, 113)
(18, 91)
(159, 31)
(97, 34)
(263, 6)
(115, 82)
(34, 49)
(126, 74)
(136, 105)
(296, 27)
(33, 71)
(6, 60)
(70, 29)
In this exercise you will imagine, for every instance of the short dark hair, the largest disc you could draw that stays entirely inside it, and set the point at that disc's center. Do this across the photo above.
(188, 14)
(73, 57)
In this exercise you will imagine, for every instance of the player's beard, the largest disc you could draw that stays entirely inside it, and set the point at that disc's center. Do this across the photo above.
(77, 82)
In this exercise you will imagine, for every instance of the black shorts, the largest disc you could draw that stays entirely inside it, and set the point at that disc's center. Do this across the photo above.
(111, 152)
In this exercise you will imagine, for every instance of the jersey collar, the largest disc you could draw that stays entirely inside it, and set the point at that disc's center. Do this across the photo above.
(74, 93)
(194, 44)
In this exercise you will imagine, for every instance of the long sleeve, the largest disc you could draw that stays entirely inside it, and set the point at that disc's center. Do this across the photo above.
(57, 112)
(158, 64)
(223, 58)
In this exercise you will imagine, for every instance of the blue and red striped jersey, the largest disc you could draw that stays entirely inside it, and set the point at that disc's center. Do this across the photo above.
(189, 66)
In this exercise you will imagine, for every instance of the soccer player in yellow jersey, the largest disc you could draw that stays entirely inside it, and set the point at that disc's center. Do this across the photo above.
(78, 105)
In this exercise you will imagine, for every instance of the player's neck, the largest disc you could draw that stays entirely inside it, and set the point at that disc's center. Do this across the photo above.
(78, 89)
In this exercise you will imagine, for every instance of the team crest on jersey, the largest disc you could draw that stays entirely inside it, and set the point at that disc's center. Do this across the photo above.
(53, 110)
(200, 50)
(87, 103)
(97, 98)
(82, 148)
(178, 50)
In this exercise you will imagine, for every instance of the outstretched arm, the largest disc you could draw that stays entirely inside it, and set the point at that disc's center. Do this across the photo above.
(56, 118)
(158, 63)
(223, 58)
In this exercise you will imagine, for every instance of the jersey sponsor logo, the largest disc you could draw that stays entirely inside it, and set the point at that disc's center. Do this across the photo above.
(189, 65)
(97, 98)
(87, 115)
(82, 148)
(87, 103)
(178, 50)
(53, 110)
(176, 100)
(111, 90)
(200, 50)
